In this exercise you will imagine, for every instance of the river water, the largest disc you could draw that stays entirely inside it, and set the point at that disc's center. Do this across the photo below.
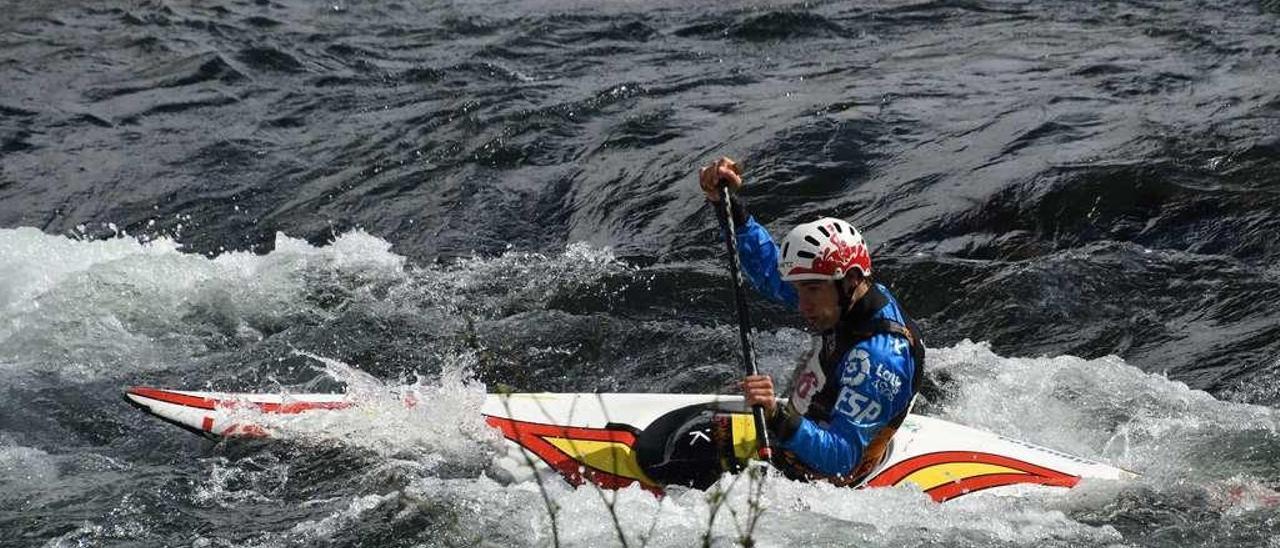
(1077, 200)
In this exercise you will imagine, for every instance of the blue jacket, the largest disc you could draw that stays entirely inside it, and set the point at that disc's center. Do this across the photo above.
(875, 375)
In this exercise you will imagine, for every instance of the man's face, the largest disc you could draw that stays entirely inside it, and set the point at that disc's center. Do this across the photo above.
(819, 303)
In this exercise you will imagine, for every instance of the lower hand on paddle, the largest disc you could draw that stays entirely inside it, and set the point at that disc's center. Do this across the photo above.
(758, 390)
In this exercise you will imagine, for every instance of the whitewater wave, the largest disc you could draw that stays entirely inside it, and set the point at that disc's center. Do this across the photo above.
(413, 454)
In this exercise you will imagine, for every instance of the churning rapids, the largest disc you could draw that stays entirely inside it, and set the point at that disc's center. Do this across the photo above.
(1079, 201)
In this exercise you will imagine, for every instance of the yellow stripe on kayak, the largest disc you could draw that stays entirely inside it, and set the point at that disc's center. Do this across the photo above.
(606, 456)
(949, 472)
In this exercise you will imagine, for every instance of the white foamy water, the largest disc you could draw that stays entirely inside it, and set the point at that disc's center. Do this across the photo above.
(432, 421)
(1103, 409)
(85, 309)
(72, 306)
(794, 513)
(416, 450)
(1019, 397)
(24, 471)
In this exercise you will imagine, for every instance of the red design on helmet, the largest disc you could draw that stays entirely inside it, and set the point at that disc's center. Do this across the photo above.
(825, 249)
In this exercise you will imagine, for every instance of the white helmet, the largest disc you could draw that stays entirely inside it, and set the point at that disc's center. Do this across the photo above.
(825, 249)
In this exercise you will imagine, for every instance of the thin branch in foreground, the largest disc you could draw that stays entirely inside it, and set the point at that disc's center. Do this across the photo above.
(758, 474)
(610, 503)
(718, 497)
(552, 508)
(653, 524)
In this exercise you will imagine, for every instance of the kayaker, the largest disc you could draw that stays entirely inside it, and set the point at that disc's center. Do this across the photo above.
(854, 388)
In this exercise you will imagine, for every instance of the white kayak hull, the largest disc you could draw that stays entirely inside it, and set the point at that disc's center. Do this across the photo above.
(592, 437)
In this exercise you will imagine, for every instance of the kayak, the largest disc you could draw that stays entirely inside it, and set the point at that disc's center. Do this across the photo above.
(610, 439)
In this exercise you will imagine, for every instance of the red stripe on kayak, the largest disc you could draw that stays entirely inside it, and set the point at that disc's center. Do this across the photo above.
(532, 436)
(1030, 473)
(895, 473)
(173, 397)
(197, 402)
(948, 491)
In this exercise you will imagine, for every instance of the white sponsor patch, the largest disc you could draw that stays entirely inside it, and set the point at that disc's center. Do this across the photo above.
(887, 381)
(857, 406)
(808, 383)
(857, 365)
(899, 345)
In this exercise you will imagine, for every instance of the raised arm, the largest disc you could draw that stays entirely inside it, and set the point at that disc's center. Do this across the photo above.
(759, 256)
(756, 250)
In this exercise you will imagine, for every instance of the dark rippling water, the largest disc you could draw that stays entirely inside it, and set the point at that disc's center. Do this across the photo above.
(195, 193)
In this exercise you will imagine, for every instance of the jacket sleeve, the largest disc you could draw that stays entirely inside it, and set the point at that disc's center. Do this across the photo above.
(875, 386)
(759, 257)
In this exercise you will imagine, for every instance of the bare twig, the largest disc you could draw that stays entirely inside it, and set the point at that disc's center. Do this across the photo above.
(610, 503)
(759, 475)
(552, 507)
(586, 475)
(653, 524)
(717, 497)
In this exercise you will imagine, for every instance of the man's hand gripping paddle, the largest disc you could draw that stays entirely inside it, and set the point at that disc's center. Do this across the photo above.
(723, 209)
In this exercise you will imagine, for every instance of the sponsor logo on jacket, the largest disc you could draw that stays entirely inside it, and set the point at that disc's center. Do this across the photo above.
(862, 384)
(807, 384)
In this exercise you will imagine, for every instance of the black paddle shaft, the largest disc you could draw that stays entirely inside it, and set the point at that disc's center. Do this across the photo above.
(744, 315)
